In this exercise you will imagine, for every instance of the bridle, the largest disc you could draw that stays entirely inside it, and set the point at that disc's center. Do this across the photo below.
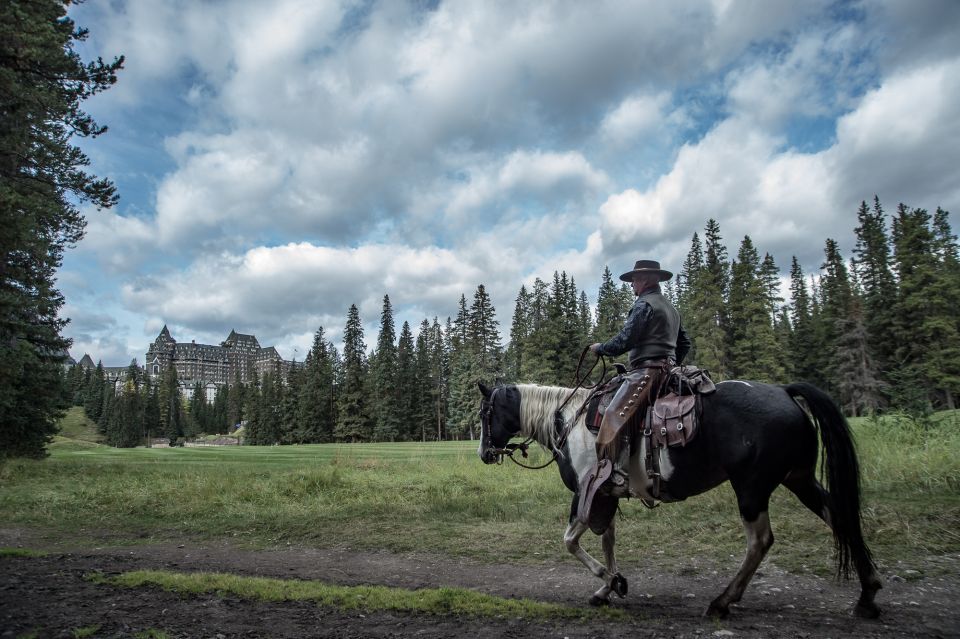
(486, 419)
(486, 423)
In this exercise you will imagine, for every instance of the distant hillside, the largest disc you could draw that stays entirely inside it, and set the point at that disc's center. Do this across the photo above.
(75, 426)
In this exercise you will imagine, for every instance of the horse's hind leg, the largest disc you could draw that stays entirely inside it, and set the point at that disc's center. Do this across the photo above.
(809, 491)
(756, 523)
(613, 580)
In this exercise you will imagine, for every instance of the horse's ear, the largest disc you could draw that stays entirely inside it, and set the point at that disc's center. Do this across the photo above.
(484, 389)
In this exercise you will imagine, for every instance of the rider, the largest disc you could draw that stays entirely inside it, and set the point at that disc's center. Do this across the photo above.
(656, 340)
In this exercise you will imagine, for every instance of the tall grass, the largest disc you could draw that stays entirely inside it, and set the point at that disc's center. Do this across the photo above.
(438, 497)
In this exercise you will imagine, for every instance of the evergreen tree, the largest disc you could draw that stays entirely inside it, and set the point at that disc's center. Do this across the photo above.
(316, 410)
(93, 405)
(926, 324)
(803, 344)
(171, 406)
(537, 349)
(483, 336)
(752, 352)
(383, 378)
(42, 180)
(520, 329)
(428, 395)
(195, 417)
(353, 419)
(703, 305)
(408, 390)
(836, 298)
(858, 383)
(289, 389)
(235, 402)
(126, 427)
(872, 267)
(151, 410)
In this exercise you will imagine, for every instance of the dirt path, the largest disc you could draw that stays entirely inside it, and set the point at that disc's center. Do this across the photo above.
(49, 595)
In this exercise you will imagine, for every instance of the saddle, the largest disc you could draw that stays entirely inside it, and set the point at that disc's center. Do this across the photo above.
(674, 417)
(675, 408)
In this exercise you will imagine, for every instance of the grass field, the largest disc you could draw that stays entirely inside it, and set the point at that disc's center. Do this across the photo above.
(440, 497)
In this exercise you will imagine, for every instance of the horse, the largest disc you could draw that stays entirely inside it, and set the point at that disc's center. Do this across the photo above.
(757, 436)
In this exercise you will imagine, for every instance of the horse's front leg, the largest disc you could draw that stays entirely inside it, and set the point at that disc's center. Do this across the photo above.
(613, 580)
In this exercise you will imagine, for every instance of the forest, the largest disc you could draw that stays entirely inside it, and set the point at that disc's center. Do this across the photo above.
(878, 330)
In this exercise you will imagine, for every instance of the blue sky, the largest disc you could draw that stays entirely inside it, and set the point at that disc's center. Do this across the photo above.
(280, 161)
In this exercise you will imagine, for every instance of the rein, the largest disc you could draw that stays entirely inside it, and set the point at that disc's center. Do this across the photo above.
(510, 449)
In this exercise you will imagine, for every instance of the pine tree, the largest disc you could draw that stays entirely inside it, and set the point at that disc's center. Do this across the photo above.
(872, 267)
(126, 426)
(289, 392)
(428, 397)
(408, 390)
(42, 181)
(235, 402)
(537, 349)
(171, 406)
(836, 298)
(520, 329)
(858, 384)
(753, 346)
(803, 344)
(93, 406)
(704, 308)
(383, 379)
(353, 418)
(316, 410)
(926, 326)
(151, 410)
(483, 335)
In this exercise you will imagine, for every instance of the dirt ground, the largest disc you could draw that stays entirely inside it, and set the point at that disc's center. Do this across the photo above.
(49, 597)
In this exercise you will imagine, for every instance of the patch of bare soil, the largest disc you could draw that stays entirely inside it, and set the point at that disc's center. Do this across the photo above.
(49, 596)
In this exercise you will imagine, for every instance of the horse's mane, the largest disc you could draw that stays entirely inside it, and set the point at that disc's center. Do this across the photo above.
(539, 404)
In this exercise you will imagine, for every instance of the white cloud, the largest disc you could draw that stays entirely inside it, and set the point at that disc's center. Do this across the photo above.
(319, 154)
(553, 179)
(635, 116)
(897, 143)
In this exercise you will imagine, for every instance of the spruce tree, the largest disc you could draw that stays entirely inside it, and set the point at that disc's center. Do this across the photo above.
(427, 398)
(752, 351)
(926, 326)
(353, 418)
(43, 81)
(536, 348)
(316, 411)
(879, 289)
(171, 406)
(383, 379)
(520, 329)
(803, 344)
(93, 405)
(705, 305)
(408, 390)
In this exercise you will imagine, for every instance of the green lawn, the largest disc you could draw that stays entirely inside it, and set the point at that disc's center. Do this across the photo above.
(440, 497)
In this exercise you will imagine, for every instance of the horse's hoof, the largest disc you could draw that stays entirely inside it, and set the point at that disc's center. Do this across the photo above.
(866, 611)
(599, 602)
(716, 611)
(619, 585)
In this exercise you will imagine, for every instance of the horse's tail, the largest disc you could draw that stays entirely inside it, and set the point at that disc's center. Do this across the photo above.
(842, 474)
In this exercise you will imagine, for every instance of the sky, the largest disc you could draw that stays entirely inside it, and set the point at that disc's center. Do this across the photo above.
(279, 161)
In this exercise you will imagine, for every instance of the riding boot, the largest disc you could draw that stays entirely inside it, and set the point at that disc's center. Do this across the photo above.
(613, 443)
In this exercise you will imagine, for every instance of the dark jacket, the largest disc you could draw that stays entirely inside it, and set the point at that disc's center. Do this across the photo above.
(652, 331)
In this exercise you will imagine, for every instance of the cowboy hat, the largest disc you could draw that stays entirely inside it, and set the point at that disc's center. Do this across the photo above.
(646, 266)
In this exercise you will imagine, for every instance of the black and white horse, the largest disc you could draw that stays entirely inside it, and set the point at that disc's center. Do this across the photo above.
(756, 436)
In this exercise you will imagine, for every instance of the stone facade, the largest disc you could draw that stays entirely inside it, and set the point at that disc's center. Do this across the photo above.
(238, 355)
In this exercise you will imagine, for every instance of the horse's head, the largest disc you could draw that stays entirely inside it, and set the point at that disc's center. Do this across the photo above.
(499, 420)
